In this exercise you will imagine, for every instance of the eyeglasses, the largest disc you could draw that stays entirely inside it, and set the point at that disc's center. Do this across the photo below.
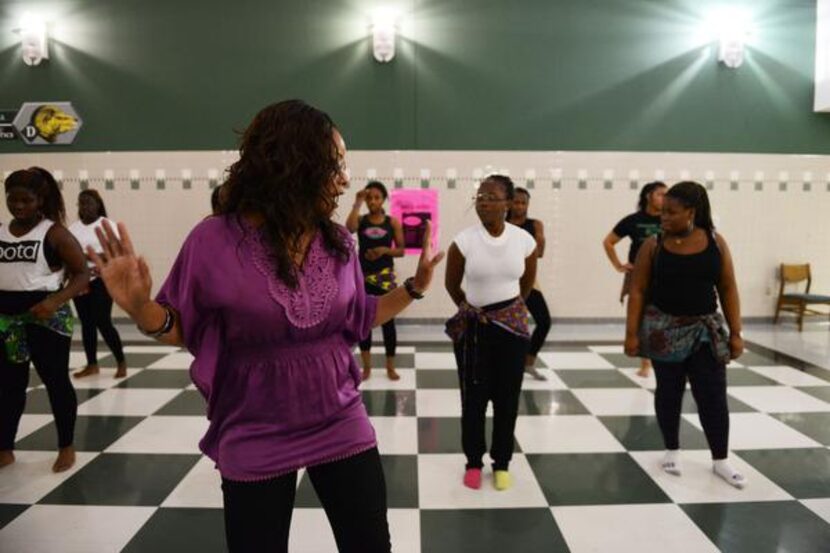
(488, 198)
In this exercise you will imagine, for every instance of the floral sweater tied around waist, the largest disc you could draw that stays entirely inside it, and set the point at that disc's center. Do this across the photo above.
(13, 331)
(672, 339)
(463, 328)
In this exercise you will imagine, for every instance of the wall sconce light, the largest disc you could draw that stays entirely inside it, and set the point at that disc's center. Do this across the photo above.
(384, 30)
(732, 28)
(33, 40)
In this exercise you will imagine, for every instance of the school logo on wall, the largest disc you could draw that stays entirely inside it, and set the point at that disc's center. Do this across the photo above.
(47, 123)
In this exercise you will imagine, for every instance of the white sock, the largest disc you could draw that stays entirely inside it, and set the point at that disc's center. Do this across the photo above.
(722, 468)
(671, 462)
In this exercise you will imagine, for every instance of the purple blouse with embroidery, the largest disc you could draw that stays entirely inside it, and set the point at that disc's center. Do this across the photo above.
(274, 364)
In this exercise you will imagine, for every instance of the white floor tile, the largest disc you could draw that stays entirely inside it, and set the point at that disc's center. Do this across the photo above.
(77, 359)
(607, 349)
(440, 485)
(789, 376)
(821, 507)
(311, 532)
(778, 399)
(616, 401)
(201, 488)
(698, 484)
(405, 530)
(151, 348)
(178, 360)
(379, 380)
(31, 423)
(164, 434)
(30, 477)
(127, 401)
(396, 435)
(378, 348)
(434, 360)
(73, 529)
(441, 403)
(574, 360)
(649, 382)
(553, 382)
(759, 431)
(600, 528)
(565, 434)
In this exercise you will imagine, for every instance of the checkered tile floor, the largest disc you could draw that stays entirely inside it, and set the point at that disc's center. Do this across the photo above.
(586, 475)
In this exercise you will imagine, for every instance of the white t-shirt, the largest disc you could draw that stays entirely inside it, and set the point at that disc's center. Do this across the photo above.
(85, 234)
(493, 265)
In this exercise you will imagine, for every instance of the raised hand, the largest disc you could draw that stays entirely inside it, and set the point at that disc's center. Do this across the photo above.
(125, 274)
(359, 198)
(427, 262)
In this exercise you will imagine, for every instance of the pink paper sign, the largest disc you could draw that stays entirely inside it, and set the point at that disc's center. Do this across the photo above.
(413, 208)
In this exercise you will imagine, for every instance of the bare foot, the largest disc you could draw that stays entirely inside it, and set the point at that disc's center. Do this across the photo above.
(89, 370)
(121, 371)
(65, 460)
(390, 369)
(367, 373)
(6, 458)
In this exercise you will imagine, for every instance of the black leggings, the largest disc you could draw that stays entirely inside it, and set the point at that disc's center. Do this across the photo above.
(352, 492)
(538, 308)
(707, 377)
(50, 356)
(95, 311)
(493, 373)
(390, 333)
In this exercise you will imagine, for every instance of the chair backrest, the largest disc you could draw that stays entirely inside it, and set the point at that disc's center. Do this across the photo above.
(791, 274)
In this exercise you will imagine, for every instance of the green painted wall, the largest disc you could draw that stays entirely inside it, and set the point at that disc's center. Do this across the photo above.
(470, 74)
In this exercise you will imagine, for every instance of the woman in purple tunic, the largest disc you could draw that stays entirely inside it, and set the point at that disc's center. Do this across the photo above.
(269, 299)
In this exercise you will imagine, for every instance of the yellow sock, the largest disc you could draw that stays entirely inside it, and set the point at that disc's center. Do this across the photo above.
(502, 480)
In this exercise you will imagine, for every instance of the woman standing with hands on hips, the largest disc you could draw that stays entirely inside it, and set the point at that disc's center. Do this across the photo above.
(269, 299)
(380, 240)
(673, 319)
(490, 332)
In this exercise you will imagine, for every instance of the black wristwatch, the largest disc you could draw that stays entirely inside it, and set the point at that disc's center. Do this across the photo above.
(409, 284)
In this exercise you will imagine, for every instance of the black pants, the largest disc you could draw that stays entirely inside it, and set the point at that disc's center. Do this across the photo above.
(95, 311)
(353, 494)
(490, 368)
(50, 356)
(707, 377)
(538, 308)
(390, 333)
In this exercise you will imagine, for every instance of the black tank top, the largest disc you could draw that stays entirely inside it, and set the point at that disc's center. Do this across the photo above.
(529, 226)
(370, 235)
(686, 284)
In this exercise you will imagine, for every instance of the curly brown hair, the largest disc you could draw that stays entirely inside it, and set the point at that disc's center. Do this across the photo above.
(288, 162)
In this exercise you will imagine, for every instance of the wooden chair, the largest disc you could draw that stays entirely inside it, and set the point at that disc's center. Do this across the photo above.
(798, 302)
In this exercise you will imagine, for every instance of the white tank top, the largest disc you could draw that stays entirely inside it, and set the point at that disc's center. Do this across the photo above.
(23, 265)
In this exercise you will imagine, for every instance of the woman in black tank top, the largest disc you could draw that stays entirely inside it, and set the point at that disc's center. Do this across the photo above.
(536, 303)
(380, 240)
(672, 318)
